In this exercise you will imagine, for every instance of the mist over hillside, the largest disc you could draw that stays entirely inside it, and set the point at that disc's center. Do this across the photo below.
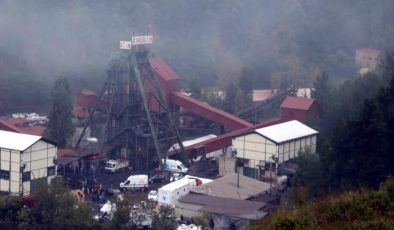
(211, 40)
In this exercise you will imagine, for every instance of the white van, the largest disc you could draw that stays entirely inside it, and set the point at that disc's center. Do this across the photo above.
(135, 182)
(174, 166)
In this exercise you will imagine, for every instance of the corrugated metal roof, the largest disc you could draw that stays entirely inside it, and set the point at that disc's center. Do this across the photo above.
(222, 205)
(286, 131)
(227, 187)
(17, 141)
(297, 103)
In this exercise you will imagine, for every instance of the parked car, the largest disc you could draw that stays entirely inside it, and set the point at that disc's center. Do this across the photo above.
(158, 178)
(152, 195)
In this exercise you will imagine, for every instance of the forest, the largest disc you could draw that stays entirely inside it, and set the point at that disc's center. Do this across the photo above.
(210, 41)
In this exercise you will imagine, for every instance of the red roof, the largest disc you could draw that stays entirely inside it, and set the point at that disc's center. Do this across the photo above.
(370, 51)
(37, 130)
(6, 125)
(11, 125)
(66, 152)
(297, 103)
(163, 69)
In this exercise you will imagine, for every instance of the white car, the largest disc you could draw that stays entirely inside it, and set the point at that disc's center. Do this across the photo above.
(152, 195)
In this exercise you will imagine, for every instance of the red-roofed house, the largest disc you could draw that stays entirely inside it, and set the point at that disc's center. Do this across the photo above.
(297, 108)
(20, 125)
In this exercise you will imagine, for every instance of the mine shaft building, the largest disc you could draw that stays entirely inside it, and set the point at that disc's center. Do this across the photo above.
(26, 162)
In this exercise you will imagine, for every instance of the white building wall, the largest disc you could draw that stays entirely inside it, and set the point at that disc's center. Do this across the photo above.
(254, 147)
(258, 149)
(36, 159)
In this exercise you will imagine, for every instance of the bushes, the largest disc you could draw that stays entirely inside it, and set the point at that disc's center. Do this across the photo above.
(351, 210)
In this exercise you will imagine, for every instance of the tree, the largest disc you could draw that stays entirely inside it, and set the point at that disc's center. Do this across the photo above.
(231, 95)
(247, 82)
(60, 127)
(195, 88)
(165, 219)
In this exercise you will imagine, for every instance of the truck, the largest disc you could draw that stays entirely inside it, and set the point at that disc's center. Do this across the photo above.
(170, 194)
(116, 165)
(171, 165)
(135, 182)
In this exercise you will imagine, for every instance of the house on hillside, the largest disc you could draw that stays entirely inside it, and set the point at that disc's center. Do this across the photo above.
(298, 108)
(261, 150)
(367, 58)
(26, 162)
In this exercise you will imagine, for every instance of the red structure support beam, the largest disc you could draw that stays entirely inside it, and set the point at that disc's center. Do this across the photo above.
(211, 113)
(225, 140)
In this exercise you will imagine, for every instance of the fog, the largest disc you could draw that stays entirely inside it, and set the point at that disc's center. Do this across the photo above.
(211, 40)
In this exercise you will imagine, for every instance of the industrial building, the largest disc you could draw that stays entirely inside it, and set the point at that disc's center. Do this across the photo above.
(229, 199)
(26, 162)
(260, 148)
(298, 108)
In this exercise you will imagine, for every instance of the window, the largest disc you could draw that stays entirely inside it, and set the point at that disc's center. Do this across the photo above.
(51, 171)
(4, 174)
(25, 176)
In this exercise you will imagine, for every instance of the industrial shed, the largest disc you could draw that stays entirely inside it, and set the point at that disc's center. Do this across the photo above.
(273, 144)
(26, 162)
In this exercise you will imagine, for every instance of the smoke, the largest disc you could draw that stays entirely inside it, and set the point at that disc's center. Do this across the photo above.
(200, 39)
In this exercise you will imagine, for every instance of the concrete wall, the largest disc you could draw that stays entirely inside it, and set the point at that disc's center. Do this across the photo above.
(187, 210)
(227, 165)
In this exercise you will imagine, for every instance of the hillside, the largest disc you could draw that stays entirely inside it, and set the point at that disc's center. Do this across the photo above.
(351, 210)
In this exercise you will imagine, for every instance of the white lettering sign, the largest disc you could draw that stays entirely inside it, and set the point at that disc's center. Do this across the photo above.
(140, 40)
(125, 45)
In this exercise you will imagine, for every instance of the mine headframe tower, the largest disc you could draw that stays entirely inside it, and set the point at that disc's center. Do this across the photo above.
(139, 124)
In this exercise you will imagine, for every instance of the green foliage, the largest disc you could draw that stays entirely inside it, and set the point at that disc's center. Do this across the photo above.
(310, 174)
(195, 88)
(351, 210)
(205, 221)
(212, 96)
(60, 127)
(9, 208)
(165, 219)
(247, 82)
(234, 99)
(53, 208)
